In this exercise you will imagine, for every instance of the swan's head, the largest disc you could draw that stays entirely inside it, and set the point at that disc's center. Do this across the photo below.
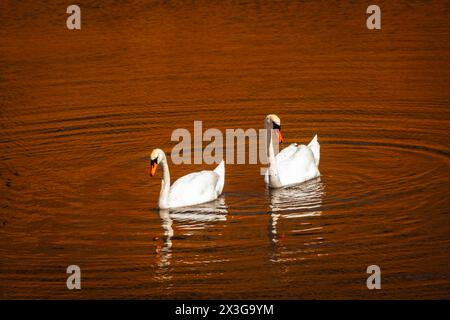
(274, 123)
(155, 158)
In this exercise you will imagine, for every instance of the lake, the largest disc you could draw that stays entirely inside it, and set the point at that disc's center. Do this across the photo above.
(81, 110)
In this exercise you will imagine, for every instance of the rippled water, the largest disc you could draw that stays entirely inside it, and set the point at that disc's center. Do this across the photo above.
(81, 110)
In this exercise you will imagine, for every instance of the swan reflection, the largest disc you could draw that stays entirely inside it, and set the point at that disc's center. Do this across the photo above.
(200, 215)
(305, 197)
(295, 202)
(187, 218)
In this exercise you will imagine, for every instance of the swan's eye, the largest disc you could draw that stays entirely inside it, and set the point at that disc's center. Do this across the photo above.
(276, 126)
(153, 162)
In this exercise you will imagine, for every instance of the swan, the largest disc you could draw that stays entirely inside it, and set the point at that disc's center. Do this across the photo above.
(294, 164)
(191, 189)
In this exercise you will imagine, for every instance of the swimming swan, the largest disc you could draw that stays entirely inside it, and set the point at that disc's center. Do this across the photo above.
(292, 165)
(191, 189)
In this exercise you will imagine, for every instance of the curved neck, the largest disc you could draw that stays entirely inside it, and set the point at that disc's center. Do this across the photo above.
(165, 184)
(269, 140)
(274, 180)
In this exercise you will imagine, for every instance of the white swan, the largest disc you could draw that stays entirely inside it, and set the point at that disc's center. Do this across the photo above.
(294, 164)
(194, 188)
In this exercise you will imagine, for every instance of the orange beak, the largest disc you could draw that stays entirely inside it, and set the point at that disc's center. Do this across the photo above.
(280, 137)
(153, 169)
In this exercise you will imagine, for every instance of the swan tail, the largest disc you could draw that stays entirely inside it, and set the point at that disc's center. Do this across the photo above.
(220, 170)
(315, 148)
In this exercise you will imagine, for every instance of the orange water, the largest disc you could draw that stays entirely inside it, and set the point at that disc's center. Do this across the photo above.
(80, 112)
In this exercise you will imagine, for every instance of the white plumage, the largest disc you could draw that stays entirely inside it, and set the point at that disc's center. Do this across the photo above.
(294, 164)
(191, 189)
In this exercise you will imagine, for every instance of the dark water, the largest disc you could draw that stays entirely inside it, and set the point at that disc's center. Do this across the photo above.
(80, 112)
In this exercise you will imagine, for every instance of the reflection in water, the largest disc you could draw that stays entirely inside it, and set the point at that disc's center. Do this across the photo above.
(200, 215)
(298, 201)
(186, 218)
(305, 197)
(166, 223)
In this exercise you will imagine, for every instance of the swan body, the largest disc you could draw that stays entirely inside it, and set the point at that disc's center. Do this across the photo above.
(191, 189)
(197, 187)
(294, 164)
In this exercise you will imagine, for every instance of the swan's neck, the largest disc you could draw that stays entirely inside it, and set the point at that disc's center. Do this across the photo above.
(270, 149)
(165, 185)
(274, 180)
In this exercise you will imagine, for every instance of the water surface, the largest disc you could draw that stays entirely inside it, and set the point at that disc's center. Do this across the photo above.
(80, 112)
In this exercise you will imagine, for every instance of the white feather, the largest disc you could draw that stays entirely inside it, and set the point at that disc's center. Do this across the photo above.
(297, 163)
